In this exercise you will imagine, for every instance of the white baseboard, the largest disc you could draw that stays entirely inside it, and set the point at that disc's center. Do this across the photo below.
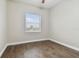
(69, 46)
(3, 50)
(16, 43)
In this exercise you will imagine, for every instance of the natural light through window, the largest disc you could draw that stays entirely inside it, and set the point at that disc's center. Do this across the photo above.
(32, 22)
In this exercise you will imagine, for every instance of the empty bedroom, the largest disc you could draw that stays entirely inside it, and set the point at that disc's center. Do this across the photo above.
(39, 28)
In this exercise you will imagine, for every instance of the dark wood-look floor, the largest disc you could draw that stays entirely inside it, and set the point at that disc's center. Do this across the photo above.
(44, 49)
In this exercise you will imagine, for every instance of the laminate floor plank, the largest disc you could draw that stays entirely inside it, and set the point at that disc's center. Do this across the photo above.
(42, 49)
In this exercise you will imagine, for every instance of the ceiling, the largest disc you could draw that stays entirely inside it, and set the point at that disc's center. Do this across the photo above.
(47, 4)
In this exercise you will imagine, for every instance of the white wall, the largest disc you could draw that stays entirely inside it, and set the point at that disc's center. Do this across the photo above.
(3, 32)
(64, 23)
(16, 32)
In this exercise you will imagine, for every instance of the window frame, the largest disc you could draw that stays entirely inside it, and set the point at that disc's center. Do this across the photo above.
(25, 15)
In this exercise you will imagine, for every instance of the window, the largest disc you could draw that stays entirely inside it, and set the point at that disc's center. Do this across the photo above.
(32, 22)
